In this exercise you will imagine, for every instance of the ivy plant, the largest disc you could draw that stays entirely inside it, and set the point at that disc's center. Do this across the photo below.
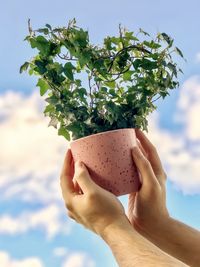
(92, 88)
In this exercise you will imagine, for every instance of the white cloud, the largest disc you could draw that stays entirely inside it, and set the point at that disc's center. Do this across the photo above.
(180, 151)
(181, 164)
(48, 219)
(60, 251)
(6, 261)
(31, 153)
(78, 259)
(189, 108)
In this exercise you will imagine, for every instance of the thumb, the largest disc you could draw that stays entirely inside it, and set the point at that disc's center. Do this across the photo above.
(83, 177)
(144, 166)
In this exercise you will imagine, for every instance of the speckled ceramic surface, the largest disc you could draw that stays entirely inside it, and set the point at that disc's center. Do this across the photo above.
(108, 158)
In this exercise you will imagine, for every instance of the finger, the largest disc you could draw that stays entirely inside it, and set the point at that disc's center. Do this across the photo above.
(77, 188)
(131, 203)
(66, 168)
(151, 153)
(66, 182)
(83, 178)
(141, 148)
(131, 200)
(145, 169)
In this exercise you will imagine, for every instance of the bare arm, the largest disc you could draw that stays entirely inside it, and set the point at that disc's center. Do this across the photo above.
(132, 250)
(177, 239)
(101, 212)
(148, 213)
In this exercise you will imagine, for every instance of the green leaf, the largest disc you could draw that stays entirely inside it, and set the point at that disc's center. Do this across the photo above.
(62, 131)
(181, 71)
(172, 67)
(111, 84)
(178, 51)
(81, 38)
(130, 98)
(84, 58)
(52, 99)
(107, 43)
(74, 127)
(166, 37)
(49, 108)
(68, 70)
(42, 44)
(53, 122)
(142, 31)
(103, 90)
(130, 36)
(148, 65)
(127, 75)
(24, 67)
(152, 44)
(59, 108)
(40, 66)
(30, 72)
(82, 92)
(78, 82)
(115, 40)
(112, 92)
(137, 63)
(43, 86)
(48, 26)
(145, 64)
(43, 30)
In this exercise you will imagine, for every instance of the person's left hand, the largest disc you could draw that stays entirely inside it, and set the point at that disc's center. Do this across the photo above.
(88, 203)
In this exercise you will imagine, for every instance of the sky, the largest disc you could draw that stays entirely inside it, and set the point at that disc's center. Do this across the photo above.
(34, 228)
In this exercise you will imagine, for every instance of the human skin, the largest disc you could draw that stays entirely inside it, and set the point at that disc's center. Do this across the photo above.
(101, 212)
(148, 213)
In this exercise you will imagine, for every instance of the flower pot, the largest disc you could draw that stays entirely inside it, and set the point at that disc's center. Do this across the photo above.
(108, 158)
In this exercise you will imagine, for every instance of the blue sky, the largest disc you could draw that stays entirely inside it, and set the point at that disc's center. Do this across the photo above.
(34, 230)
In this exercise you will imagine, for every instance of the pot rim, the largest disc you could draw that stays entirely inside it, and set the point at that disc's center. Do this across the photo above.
(102, 133)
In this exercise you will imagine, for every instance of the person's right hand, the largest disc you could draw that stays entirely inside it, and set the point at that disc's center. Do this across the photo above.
(87, 203)
(147, 208)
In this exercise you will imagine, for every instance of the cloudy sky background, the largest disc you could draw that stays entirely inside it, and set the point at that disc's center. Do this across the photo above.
(34, 229)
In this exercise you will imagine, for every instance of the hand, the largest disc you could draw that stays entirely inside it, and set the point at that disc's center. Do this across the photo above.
(147, 208)
(88, 203)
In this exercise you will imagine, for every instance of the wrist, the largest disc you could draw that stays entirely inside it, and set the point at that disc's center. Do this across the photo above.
(154, 229)
(120, 225)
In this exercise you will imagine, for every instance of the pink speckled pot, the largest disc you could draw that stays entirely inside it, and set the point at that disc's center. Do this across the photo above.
(108, 158)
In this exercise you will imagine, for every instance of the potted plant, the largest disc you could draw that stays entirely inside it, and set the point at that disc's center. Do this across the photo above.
(97, 95)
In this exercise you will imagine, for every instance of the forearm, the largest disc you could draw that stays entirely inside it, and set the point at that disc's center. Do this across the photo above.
(176, 239)
(131, 249)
